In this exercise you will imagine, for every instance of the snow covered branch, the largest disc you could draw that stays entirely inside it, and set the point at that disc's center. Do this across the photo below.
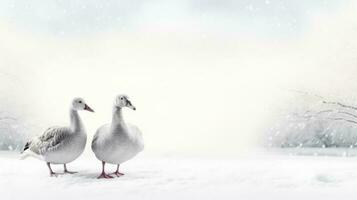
(316, 125)
(318, 115)
(323, 99)
(339, 104)
(342, 119)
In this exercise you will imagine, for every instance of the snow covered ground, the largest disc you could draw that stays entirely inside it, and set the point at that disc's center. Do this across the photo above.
(261, 176)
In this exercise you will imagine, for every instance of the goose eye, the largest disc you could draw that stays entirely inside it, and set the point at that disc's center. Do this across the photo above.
(79, 101)
(121, 98)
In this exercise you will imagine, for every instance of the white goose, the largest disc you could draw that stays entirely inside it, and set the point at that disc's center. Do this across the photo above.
(117, 142)
(61, 145)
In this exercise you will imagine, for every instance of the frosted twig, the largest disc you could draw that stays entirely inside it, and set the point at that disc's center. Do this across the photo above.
(339, 104)
(306, 93)
(330, 118)
(342, 119)
(337, 112)
(325, 101)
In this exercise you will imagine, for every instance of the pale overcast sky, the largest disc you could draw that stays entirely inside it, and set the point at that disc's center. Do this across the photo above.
(272, 18)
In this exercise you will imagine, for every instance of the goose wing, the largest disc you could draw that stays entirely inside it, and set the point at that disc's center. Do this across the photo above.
(136, 135)
(99, 133)
(50, 140)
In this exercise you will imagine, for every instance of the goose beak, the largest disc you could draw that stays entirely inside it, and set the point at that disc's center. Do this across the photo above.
(86, 107)
(130, 105)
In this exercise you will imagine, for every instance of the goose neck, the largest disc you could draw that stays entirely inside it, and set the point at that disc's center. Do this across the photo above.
(117, 120)
(75, 121)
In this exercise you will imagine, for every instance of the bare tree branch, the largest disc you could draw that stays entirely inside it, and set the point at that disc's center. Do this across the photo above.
(327, 118)
(319, 124)
(306, 93)
(339, 104)
(337, 112)
(347, 113)
(326, 111)
(330, 118)
(325, 101)
(308, 115)
(342, 119)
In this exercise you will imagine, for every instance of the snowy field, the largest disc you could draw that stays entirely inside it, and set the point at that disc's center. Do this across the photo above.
(268, 176)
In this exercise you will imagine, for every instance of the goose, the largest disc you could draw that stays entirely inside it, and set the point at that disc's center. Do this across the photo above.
(61, 145)
(118, 141)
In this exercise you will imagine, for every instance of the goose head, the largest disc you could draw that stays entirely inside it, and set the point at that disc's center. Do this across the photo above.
(122, 101)
(80, 104)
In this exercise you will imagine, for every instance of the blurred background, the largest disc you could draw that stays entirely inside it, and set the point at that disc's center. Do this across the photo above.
(208, 77)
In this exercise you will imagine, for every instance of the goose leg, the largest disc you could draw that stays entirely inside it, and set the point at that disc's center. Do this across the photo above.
(117, 173)
(103, 174)
(66, 171)
(51, 172)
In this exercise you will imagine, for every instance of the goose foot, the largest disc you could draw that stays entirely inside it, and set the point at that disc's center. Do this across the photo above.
(52, 174)
(104, 175)
(65, 171)
(69, 172)
(118, 174)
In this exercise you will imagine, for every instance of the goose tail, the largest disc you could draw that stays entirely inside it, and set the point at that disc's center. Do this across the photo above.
(27, 146)
(29, 153)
